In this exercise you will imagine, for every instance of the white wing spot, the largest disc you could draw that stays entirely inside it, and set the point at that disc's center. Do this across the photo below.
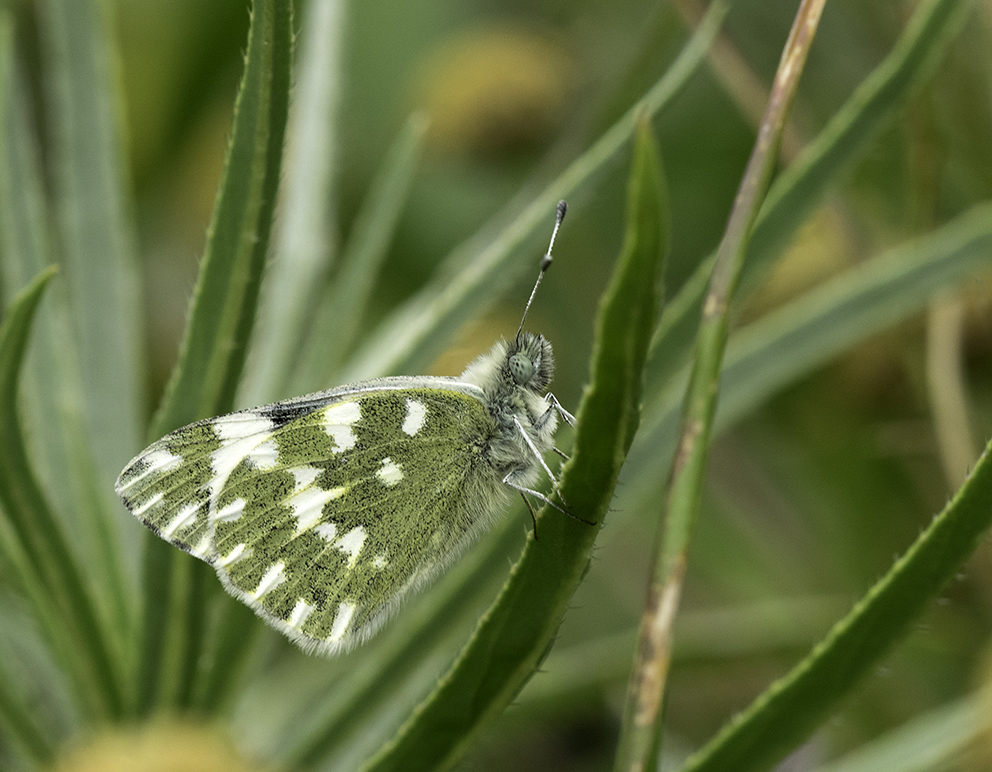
(308, 505)
(265, 456)
(305, 475)
(416, 416)
(351, 544)
(186, 516)
(272, 578)
(390, 473)
(232, 511)
(327, 532)
(341, 621)
(204, 549)
(300, 613)
(235, 555)
(343, 413)
(338, 420)
(380, 562)
(158, 461)
(239, 437)
(139, 511)
(344, 438)
(239, 426)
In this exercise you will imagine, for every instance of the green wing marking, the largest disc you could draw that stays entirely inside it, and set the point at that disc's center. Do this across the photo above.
(322, 514)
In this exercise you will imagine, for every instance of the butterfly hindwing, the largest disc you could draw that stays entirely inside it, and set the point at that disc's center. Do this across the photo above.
(323, 512)
(304, 509)
(168, 488)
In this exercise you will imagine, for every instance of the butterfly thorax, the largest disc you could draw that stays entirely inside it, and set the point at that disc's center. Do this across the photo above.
(513, 377)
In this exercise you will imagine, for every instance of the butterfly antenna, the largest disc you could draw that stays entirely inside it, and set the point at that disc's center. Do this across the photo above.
(545, 262)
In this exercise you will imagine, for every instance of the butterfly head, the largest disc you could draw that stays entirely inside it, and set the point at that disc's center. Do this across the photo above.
(530, 362)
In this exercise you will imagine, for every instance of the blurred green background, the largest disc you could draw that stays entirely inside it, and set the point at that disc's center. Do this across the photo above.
(812, 495)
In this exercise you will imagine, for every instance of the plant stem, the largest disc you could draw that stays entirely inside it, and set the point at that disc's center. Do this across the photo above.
(640, 741)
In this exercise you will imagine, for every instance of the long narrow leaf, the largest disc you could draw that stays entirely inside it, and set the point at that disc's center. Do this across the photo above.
(792, 707)
(341, 311)
(472, 276)
(96, 242)
(808, 331)
(225, 298)
(712, 635)
(53, 405)
(797, 191)
(937, 740)
(515, 634)
(307, 224)
(229, 650)
(25, 249)
(32, 536)
(220, 323)
(57, 644)
(19, 726)
(641, 732)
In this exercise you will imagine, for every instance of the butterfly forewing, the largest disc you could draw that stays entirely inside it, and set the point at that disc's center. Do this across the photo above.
(304, 509)
(324, 511)
(168, 488)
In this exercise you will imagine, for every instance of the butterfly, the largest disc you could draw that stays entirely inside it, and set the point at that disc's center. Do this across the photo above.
(323, 512)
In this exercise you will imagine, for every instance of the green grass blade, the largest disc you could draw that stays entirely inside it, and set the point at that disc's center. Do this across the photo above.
(96, 242)
(158, 568)
(26, 580)
(18, 726)
(221, 317)
(800, 187)
(307, 223)
(515, 634)
(53, 401)
(795, 705)
(222, 311)
(808, 331)
(473, 275)
(712, 635)
(35, 676)
(642, 727)
(33, 541)
(230, 647)
(927, 36)
(344, 725)
(25, 249)
(341, 310)
(935, 741)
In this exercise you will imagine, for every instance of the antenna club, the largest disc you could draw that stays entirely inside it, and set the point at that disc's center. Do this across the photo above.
(545, 262)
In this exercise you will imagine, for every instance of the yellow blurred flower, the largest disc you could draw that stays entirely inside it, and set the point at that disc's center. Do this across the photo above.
(169, 746)
(494, 89)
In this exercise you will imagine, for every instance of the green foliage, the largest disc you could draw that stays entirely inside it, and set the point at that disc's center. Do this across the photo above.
(823, 467)
(513, 637)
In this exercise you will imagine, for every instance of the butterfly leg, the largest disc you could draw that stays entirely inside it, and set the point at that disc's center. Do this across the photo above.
(530, 509)
(537, 495)
(553, 407)
(556, 405)
(539, 457)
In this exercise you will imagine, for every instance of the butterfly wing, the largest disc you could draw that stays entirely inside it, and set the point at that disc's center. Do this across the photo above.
(323, 513)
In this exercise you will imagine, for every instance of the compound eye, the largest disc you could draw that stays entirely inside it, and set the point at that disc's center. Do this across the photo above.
(521, 369)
